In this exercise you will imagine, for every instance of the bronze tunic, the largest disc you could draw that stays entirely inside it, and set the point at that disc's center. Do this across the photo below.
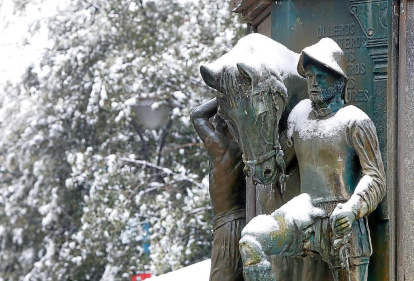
(335, 152)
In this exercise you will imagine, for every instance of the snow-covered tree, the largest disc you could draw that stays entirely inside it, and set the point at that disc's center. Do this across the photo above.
(84, 187)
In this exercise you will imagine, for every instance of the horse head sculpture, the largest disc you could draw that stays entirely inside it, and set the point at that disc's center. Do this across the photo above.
(254, 83)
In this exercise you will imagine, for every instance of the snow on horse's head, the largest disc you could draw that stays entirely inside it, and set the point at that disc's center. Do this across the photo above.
(252, 84)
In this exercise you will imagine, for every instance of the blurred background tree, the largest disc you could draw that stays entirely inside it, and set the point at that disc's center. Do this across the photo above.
(87, 192)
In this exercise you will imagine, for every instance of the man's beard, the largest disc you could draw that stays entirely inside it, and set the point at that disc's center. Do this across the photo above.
(323, 95)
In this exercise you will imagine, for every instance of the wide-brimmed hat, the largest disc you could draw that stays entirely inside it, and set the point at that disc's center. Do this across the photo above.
(327, 53)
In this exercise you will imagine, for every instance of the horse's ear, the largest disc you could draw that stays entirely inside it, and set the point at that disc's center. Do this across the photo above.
(209, 76)
(247, 72)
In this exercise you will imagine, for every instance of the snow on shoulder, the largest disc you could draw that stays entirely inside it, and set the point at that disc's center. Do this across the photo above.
(301, 122)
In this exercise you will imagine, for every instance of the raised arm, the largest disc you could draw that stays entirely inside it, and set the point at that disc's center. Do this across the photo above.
(200, 118)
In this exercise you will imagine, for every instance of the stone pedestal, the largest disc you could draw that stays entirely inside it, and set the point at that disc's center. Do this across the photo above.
(405, 204)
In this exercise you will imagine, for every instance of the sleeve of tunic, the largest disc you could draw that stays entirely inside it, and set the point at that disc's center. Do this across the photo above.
(371, 188)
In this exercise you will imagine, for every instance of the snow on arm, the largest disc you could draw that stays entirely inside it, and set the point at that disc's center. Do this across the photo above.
(300, 210)
(283, 232)
(299, 214)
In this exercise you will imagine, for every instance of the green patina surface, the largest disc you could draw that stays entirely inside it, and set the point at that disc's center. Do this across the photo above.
(362, 30)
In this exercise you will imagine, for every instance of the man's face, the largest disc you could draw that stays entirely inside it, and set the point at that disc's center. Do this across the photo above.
(323, 84)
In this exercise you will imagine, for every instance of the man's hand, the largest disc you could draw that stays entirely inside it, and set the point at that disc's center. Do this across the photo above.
(200, 118)
(342, 219)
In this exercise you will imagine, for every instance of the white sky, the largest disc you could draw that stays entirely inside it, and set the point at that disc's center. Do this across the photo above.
(20, 47)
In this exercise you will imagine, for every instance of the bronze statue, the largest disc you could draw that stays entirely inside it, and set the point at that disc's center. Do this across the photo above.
(341, 171)
(227, 191)
(257, 86)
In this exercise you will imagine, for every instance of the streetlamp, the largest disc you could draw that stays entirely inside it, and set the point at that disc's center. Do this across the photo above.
(149, 112)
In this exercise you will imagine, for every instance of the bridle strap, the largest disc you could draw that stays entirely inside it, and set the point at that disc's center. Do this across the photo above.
(276, 151)
(276, 148)
(261, 159)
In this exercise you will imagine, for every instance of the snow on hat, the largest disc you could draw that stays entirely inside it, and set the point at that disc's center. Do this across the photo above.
(325, 52)
(330, 55)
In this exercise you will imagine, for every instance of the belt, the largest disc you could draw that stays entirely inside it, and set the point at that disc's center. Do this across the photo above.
(233, 215)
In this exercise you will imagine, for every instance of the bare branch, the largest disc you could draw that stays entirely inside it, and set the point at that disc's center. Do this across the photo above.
(181, 146)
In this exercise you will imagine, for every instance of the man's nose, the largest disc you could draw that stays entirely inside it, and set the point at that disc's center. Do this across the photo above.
(314, 81)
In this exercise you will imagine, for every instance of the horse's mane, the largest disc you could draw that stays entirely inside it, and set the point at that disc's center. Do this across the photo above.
(263, 55)
(230, 81)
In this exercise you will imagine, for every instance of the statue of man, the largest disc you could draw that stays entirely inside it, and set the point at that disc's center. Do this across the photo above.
(341, 171)
(227, 191)
(339, 162)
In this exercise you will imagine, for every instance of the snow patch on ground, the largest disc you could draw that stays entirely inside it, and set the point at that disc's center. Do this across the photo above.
(199, 271)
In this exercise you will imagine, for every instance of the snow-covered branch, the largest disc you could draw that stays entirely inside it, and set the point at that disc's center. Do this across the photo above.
(180, 176)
